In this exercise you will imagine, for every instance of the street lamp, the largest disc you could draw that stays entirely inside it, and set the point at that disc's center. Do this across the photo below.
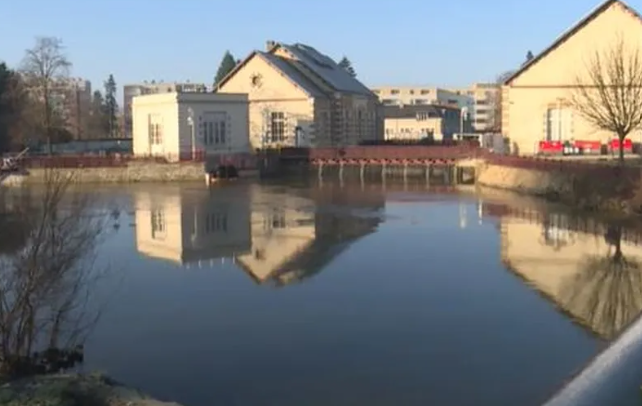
(190, 122)
(462, 115)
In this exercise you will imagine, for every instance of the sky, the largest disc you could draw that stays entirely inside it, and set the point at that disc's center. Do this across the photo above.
(390, 42)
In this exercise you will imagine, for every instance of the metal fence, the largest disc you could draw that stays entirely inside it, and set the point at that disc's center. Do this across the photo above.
(385, 152)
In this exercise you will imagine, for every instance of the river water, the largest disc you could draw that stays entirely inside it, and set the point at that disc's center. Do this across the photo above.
(308, 294)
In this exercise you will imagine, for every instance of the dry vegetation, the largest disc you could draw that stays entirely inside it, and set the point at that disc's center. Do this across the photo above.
(45, 276)
(609, 93)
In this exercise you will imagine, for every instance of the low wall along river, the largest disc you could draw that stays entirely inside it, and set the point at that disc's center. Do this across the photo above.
(132, 173)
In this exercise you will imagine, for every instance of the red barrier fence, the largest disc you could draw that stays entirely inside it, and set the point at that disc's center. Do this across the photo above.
(582, 147)
(383, 152)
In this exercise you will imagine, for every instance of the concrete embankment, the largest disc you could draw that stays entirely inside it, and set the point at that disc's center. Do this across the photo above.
(132, 173)
(594, 190)
(73, 390)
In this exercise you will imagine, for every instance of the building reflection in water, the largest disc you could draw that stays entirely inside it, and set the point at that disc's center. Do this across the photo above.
(590, 270)
(185, 226)
(276, 235)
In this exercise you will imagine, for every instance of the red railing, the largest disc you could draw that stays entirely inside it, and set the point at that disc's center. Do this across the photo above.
(384, 152)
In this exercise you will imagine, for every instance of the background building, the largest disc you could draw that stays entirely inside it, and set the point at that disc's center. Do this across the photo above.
(480, 101)
(417, 122)
(396, 95)
(301, 97)
(183, 126)
(132, 90)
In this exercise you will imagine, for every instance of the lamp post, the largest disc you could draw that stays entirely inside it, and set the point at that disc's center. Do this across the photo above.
(190, 122)
(462, 114)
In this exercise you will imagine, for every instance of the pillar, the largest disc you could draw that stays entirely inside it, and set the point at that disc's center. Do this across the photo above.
(427, 174)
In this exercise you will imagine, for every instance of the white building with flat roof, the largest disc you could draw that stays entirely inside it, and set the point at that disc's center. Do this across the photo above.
(188, 126)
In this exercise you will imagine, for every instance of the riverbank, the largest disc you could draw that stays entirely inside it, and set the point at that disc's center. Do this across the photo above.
(73, 390)
(133, 172)
(596, 189)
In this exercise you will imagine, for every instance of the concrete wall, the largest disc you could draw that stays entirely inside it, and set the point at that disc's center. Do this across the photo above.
(135, 172)
(608, 194)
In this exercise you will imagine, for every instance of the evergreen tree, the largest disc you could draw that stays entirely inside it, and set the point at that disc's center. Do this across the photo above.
(347, 65)
(228, 63)
(111, 107)
(98, 123)
(8, 108)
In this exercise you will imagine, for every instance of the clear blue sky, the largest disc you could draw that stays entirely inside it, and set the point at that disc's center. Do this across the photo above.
(452, 42)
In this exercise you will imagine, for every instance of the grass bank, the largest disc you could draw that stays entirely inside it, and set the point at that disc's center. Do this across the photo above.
(73, 390)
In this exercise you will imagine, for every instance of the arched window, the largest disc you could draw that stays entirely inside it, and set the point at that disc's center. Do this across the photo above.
(559, 124)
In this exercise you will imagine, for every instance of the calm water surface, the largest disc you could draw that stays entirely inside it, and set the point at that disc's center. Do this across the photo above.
(308, 295)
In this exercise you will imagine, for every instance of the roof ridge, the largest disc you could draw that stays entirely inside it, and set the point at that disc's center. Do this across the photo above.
(568, 33)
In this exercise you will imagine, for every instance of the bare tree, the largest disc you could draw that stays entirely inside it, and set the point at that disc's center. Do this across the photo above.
(608, 95)
(45, 281)
(44, 65)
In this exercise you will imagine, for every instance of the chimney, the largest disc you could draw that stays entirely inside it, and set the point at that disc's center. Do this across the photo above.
(269, 44)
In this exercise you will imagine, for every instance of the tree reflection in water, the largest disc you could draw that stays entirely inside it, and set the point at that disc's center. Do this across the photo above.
(46, 269)
(607, 292)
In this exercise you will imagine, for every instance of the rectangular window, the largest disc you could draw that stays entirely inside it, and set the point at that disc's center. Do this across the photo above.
(274, 220)
(558, 124)
(216, 223)
(154, 130)
(215, 129)
(159, 227)
(278, 127)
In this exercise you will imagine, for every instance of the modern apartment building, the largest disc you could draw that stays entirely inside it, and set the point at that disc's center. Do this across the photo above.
(152, 87)
(486, 103)
(416, 122)
(479, 101)
(73, 97)
(70, 99)
(410, 95)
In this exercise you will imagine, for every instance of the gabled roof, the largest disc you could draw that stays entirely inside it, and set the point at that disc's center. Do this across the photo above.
(569, 33)
(293, 74)
(324, 69)
(280, 64)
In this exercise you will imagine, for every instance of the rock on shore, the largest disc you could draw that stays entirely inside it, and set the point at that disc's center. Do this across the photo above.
(73, 390)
